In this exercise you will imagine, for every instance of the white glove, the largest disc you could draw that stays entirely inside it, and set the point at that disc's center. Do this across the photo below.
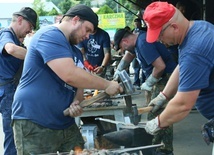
(158, 102)
(149, 83)
(152, 127)
(116, 74)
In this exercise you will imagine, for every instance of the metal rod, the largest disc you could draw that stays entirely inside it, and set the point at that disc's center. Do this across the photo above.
(137, 148)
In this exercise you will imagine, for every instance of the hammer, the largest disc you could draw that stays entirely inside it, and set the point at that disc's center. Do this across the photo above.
(138, 111)
(126, 83)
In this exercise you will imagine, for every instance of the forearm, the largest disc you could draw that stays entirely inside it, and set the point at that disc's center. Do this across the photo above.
(82, 79)
(178, 107)
(158, 68)
(125, 61)
(16, 51)
(79, 95)
(106, 59)
(172, 84)
(173, 113)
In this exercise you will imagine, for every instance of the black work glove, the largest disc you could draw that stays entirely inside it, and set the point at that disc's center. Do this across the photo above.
(207, 131)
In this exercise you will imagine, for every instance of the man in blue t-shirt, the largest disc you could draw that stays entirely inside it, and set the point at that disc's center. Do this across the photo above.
(12, 54)
(96, 51)
(157, 63)
(192, 82)
(53, 79)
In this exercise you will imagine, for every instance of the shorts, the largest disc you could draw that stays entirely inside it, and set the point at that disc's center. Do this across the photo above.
(31, 138)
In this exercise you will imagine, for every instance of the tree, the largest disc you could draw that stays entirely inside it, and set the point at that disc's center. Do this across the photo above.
(52, 12)
(39, 7)
(105, 9)
(86, 2)
(65, 5)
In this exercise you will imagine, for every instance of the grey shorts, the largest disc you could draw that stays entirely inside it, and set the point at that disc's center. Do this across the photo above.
(33, 139)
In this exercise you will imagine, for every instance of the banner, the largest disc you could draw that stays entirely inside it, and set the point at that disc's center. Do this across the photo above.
(112, 20)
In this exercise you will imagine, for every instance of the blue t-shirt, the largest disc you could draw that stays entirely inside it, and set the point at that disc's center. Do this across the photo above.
(9, 64)
(41, 95)
(94, 47)
(196, 62)
(147, 53)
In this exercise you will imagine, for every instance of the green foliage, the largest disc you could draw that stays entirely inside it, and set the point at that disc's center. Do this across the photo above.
(86, 2)
(65, 5)
(105, 9)
(109, 6)
(39, 7)
(53, 12)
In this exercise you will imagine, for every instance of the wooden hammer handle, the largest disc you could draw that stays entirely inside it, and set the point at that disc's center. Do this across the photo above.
(144, 110)
(88, 102)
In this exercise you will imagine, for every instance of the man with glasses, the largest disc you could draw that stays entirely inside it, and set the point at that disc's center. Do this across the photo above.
(11, 58)
(158, 64)
(53, 79)
(192, 82)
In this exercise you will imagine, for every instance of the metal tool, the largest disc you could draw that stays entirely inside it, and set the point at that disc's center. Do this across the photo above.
(138, 111)
(136, 148)
(129, 137)
(112, 121)
(124, 95)
(125, 82)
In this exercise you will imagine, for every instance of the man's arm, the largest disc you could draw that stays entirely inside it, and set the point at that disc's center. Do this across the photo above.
(79, 95)
(178, 107)
(105, 62)
(75, 109)
(168, 92)
(107, 56)
(124, 63)
(16, 51)
(172, 84)
(158, 68)
(83, 53)
(78, 77)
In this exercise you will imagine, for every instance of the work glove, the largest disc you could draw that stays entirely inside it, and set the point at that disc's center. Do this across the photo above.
(149, 83)
(158, 102)
(152, 127)
(116, 75)
(207, 131)
(88, 65)
(121, 66)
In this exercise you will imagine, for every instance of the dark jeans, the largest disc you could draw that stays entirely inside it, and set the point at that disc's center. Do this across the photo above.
(6, 99)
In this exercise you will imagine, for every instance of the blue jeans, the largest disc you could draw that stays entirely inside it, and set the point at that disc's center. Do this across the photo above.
(6, 100)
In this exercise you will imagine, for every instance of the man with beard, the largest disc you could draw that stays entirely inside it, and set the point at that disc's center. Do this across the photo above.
(158, 64)
(53, 79)
(11, 59)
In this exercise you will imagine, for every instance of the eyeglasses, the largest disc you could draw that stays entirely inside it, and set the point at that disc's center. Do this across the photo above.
(162, 31)
(29, 23)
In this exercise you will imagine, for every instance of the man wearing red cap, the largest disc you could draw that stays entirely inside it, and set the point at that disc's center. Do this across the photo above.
(192, 81)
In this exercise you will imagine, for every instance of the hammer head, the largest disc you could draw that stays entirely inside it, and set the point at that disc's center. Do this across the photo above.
(126, 82)
(135, 118)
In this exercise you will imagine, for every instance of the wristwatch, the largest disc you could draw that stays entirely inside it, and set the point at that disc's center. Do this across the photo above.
(103, 67)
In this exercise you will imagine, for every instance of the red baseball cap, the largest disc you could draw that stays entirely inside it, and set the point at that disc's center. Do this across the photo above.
(155, 16)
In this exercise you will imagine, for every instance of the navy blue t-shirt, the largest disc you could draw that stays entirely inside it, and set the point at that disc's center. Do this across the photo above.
(9, 64)
(94, 47)
(196, 66)
(41, 95)
(147, 53)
